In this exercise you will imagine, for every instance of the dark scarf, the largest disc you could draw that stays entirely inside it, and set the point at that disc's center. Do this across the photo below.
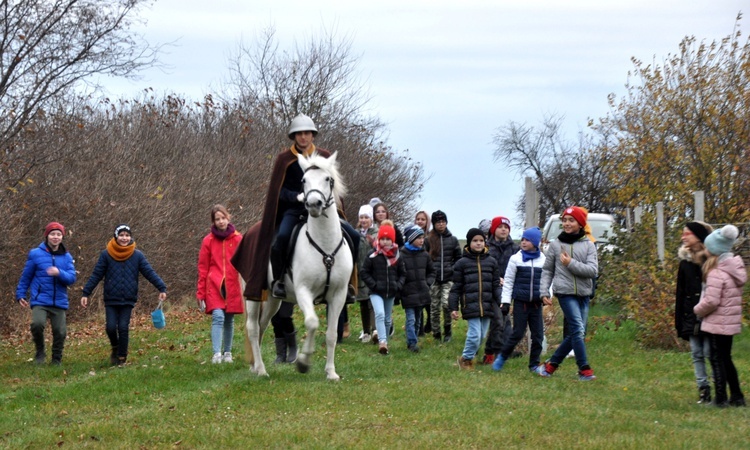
(60, 249)
(221, 235)
(391, 254)
(571, 238)
(118, 252)
(527, 256)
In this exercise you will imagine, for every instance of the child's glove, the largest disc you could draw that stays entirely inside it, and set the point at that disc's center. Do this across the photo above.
(505, 308)
(202, 305)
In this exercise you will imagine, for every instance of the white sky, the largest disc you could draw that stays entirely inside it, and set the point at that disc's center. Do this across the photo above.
(445, 75)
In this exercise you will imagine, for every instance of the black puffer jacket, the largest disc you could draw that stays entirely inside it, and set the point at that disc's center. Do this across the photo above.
(444, 251)
(420, 274)
(382, 279)
(688, 293)
(502, 251)
(476, 285)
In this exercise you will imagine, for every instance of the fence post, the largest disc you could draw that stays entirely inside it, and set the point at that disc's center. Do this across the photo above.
(660, 230)
(532, 204)
(638, 212)
(699, 208)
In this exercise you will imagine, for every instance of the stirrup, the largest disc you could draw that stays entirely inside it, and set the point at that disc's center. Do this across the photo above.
(279, 290)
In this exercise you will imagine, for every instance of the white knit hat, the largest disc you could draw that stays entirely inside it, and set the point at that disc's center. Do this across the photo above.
(365, 210)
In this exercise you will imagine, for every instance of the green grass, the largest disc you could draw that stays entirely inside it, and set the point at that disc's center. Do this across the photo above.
(170, 396)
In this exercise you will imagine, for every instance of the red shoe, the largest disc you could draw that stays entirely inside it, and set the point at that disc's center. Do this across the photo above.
(488, 359)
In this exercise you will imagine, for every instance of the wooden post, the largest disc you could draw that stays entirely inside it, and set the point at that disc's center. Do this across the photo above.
(532, 204)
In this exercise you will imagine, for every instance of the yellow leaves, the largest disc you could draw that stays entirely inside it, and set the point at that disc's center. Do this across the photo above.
(157, 194)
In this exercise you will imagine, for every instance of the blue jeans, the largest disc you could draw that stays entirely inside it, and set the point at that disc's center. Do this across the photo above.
(478, 327)
(383, 308)
(118, 327)
(411, 325)
(576, 311)
(222, 326)
(700, 347)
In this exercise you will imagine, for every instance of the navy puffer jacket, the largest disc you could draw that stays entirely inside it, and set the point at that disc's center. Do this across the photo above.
(502, 251)
(476, 285)
(420, 274)
(45, 290)
(121, 278)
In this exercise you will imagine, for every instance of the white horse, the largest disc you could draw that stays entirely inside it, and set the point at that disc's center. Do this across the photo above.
(320, 268)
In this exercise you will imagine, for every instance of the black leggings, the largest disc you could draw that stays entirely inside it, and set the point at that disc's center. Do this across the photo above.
(723, 367)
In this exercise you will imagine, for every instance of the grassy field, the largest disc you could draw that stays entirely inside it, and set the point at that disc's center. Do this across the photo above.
(170, 396)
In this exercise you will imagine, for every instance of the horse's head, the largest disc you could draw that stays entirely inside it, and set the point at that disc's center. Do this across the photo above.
(321, 183)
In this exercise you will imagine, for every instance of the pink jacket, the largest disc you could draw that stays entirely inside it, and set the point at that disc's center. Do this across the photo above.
(721, 303)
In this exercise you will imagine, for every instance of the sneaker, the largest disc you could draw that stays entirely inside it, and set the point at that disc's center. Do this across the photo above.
(488, 359)
(40, 357)
(586, 375)
(121, 361)
(227, 358)
(704, 395)
(216, 359)
(390, 333)
(737, 402)
(383, 349)
(56, 361)
(413, 348)
(465, 364)
(545, 370)
(498, 364)
(447, 338)
(437, 336)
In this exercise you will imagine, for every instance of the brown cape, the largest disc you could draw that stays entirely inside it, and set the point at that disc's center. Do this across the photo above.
(252, 256)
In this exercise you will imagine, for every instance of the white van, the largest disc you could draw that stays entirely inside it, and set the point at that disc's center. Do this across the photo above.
(602, 227)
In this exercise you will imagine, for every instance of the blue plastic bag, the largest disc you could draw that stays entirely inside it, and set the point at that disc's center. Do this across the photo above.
(157, 316)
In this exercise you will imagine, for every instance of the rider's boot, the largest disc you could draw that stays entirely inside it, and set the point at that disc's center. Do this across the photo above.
(279, 290)
(278, 268)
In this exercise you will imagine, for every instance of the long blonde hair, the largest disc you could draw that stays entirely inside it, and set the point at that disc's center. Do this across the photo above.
(711, 262)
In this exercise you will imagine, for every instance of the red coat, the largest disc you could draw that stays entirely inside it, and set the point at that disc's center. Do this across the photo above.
(214, 268)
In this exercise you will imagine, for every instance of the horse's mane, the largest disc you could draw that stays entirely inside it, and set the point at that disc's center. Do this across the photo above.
(331, 166)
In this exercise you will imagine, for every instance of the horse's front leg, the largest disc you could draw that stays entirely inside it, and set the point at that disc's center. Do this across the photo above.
(305, 303)
(258, 316)
(335, 306)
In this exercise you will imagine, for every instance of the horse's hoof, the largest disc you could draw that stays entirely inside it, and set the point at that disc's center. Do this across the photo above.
(334, 377)
(302, 367)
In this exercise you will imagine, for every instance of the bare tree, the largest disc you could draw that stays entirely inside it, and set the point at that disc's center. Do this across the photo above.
(563, 173)
(320, 79)
(47, 48)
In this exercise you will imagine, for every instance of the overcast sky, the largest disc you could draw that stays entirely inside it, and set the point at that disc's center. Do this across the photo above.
(445, 75)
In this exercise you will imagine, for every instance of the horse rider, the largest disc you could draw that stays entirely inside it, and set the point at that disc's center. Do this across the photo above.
(283, 210)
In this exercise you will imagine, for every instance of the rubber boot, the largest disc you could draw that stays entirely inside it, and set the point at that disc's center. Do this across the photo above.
(281, 351)
(291, 344)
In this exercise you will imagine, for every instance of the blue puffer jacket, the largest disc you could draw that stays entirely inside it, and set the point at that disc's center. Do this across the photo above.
(121, 278)
(43, 289)
(476, 285)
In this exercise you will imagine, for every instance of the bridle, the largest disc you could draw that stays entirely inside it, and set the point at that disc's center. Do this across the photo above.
(330, 200)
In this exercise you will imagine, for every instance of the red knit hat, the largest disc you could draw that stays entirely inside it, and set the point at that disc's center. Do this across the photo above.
(386, 230)
(578, 213)
(53, 226)
(496, 222)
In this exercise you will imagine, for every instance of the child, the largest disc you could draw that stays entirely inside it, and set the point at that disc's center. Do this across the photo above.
(476, 286)
(119, 265)
(572, 265)
(48, 272)
(219, 293)
(720, 308)
(420, 274)
(444, 250)
(384, 274)
(522, 281)
(368, 238)
(501, 248)
(692, 255)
